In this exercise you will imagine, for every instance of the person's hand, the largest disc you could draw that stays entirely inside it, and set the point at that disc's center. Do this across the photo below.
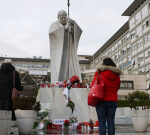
(70, 21)
(69, 27)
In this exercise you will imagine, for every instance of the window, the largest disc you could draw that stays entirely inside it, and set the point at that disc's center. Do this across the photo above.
(124, 40)
(145, 24)
(127, 85)
(147, 38)
(139, 31)
(119, 43)
(133, 35)
(129, 62)
(115, 57)
(113, 48)
(128, 50)
(129, 58)
(24, 66)
(96, 61)
(29, 66)
(141, 71)
(123, 52)
(144, 11)
(138, 17)
(134, 47)
(134, 61)
(128, 38)
(139, 43)
(132, 22)
(147, 68)
(38, 66)
(116, 45)
(124, 65)
(140, 57)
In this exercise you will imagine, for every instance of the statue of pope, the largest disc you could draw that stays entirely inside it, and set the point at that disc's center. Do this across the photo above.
(64, 36)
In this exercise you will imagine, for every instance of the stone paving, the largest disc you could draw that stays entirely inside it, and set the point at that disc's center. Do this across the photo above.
(120, 130)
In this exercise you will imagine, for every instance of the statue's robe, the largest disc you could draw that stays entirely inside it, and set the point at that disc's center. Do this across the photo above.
(63, 52)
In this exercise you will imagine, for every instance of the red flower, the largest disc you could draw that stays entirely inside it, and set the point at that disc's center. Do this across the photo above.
(66, 121)
(74, 79)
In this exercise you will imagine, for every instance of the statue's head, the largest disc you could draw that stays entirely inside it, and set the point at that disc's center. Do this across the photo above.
(62, 17)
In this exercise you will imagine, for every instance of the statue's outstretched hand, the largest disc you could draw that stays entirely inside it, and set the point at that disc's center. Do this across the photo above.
(69, 25)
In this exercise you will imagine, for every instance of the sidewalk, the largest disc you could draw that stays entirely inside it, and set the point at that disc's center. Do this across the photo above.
(129, 130)
(120, 130)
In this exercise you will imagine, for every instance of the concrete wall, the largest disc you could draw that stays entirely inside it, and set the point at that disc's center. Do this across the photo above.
(138, 84)
(58, 109)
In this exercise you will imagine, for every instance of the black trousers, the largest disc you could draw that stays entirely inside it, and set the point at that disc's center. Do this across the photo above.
(7, 104)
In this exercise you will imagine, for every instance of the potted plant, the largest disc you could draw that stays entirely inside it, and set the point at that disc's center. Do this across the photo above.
(26, 111)
(139, 102)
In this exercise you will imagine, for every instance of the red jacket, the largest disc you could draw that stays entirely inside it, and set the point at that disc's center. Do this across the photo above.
(111, 79)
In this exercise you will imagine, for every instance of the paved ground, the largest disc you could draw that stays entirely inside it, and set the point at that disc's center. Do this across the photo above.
(120, 130)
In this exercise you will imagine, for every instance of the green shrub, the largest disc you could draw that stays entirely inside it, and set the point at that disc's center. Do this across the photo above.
(123, 103)
(26, 103)
(138, 99)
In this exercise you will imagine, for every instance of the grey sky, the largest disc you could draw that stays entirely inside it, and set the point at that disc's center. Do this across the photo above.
(25, 23)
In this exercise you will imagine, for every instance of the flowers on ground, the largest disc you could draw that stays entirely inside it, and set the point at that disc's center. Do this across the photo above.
(42, 120)
(66, 123)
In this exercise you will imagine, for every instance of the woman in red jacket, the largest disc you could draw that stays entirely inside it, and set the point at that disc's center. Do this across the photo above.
(107, 107)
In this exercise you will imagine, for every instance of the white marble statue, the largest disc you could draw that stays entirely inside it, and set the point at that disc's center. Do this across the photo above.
(64, 36)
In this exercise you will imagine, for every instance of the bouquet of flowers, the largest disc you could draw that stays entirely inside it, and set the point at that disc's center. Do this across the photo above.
(66, 124)
(71, 104)
(42, 120)
(74, 79)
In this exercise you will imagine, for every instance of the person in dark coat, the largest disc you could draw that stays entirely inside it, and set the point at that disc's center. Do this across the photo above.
(6, 86)
(106, 108)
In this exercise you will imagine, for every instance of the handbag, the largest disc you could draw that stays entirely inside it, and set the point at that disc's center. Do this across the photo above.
(96, 92)
(15, 92)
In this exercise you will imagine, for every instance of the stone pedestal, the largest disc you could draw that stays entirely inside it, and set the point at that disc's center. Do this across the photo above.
(58, 109)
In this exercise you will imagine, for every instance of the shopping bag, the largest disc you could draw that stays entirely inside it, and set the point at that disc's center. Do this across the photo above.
(15, 92)
(96, 92)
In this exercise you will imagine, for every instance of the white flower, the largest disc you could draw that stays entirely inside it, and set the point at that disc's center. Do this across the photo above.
(46, 118)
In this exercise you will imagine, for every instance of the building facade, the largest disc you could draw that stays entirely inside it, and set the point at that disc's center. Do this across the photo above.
(130, 45)
(34, 71)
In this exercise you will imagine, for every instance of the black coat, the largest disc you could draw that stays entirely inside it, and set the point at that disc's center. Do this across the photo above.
(6, 87)
(6, 80)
